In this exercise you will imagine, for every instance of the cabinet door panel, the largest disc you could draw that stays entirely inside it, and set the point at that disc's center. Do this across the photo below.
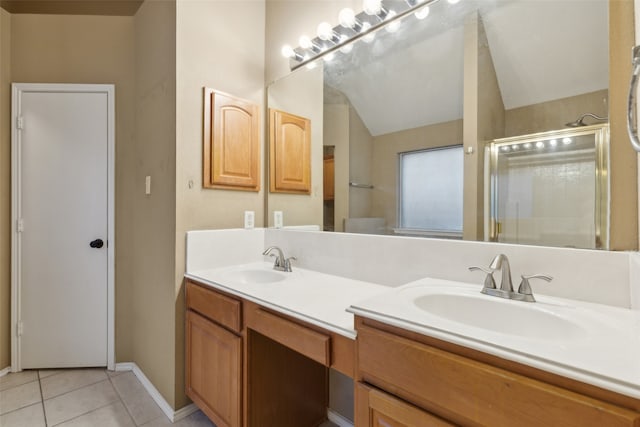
(214, 362)
(231, 151)
(289, 153)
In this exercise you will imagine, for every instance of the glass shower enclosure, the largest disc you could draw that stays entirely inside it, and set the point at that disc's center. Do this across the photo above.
(550, 188)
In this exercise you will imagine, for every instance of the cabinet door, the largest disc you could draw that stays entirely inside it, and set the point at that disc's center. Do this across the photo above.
(231, 151)
(329, 179)
(289, 153)
(214, 362)
(377, 409)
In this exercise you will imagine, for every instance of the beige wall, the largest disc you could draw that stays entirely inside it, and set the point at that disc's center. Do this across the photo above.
(301, 93)
(152, 318)
(385, 161)
(89, 49)
(360, 160)
(623, 160)
(219, 45)
(483, 121)
(553, 115)
(5, 189)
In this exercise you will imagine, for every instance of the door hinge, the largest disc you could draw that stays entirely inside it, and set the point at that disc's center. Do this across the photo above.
(20, 225)
(20, 122)
(19, 329)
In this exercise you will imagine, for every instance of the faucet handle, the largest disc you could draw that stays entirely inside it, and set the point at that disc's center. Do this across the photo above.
(525, 288)
(287, 263)
(489, 282)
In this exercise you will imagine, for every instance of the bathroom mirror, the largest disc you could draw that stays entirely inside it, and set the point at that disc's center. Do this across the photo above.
(468, 73)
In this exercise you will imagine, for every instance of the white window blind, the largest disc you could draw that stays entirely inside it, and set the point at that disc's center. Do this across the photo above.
(431, 190)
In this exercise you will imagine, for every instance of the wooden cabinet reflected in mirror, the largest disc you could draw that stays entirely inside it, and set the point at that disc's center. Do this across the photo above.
(289, 153)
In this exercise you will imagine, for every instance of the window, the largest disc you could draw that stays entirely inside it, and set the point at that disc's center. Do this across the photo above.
(430, 191)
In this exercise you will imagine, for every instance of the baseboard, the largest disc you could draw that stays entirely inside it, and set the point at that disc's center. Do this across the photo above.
(5, 371)
(338, 419)
(172, 415)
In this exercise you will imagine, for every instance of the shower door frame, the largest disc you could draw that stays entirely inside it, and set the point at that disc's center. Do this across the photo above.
(602, 193)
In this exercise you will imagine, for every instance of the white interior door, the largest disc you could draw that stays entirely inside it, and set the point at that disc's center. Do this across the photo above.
(62, 225)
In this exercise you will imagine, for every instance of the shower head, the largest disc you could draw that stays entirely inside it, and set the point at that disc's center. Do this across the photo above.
(580, 122)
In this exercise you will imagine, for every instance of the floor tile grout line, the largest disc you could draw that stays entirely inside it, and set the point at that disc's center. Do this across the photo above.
(19, 385)
(83, 414)
(19, 409)
(126, 408)
(75, 389)
(44, 412)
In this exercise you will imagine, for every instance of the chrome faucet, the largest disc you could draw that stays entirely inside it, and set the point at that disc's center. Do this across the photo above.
(281, 263)
(501, 262)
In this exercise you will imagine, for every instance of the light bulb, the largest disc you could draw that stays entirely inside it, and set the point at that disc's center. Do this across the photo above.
(566, 141)
(372, 7)
(287, 51)
(312, 65)
(347, 47)
(305, 42)
(504, 148)
(369, 37)
(347, 18)
(540, 144)
(553, 142)
(527, 145)
(422, 13)
(325, 31)
(329, 57)
(393, 26)
(515, 147)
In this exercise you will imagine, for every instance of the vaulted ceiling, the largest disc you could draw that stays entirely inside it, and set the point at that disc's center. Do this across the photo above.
(542, 50)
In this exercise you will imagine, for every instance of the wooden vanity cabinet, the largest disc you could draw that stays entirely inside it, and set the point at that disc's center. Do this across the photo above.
(407, 379)
(249, 366)
(214, 354)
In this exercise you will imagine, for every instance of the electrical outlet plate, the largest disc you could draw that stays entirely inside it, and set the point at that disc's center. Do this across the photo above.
(249, 219)
(277, 219)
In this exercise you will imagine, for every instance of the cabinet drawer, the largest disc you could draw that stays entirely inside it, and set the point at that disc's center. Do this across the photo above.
(215, 306)
(469, 392)
(377, 409)
(305, 341)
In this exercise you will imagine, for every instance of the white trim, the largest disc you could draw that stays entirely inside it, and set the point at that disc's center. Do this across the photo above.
(166, 408)
(16, 90)
(5, 371)
(338, 419)
(184, 412)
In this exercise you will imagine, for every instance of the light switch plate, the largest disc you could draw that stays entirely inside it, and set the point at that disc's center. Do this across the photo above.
(249, 219)
(277, 219)
(147, 184)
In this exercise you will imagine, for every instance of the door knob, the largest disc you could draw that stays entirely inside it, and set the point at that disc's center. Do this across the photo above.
(98, 243)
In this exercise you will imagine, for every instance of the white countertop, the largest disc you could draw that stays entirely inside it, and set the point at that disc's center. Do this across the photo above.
(317, 298)
(601, 347)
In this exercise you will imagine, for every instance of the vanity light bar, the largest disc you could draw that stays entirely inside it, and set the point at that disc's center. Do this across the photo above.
(351, 28)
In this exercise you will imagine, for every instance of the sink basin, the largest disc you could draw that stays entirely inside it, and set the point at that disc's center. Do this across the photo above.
(516, 318)
(255, 276)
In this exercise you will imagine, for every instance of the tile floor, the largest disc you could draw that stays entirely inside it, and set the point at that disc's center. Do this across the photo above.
(82, 397)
